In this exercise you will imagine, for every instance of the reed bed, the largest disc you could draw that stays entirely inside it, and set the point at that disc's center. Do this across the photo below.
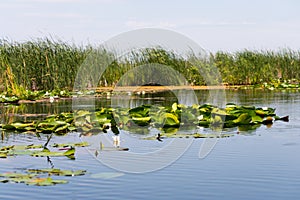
(257, 67)
(43, 64)
(47, 64)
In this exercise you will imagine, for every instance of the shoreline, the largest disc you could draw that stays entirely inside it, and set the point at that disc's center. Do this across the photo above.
(137, 89)
(143, 90)
(150, 89)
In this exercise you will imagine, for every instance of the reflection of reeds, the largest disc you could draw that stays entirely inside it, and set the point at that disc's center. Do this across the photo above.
(45, 64)
(8, 113)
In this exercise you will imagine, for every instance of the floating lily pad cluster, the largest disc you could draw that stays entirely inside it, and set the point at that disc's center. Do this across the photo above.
(20, 94)
(201, 115)
(39, 150)
(39, 177)
(176, 115)
(286, 84)
(23, 94)
(206, 115)
(52, 124)
(234, 115)
(8, 99)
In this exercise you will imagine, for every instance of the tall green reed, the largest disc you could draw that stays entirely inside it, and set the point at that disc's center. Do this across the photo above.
(42, 64)
(256, 67)
(47, 64)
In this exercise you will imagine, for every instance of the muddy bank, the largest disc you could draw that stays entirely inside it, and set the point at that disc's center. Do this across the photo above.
(150, 89)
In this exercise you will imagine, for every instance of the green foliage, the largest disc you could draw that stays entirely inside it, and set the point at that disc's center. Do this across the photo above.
(49, 65)
(44, 152)
(43, 64)
(258, 67)
(39, 177)
(138, 120)
(38, 150)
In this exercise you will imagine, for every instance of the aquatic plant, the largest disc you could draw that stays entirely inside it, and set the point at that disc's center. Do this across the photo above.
(257, 67)
(164, 118)
(39, 150)
(43, 64)
(39, 177)
(47, 65)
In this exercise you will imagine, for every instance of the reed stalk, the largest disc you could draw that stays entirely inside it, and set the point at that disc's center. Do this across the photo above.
(47, 64)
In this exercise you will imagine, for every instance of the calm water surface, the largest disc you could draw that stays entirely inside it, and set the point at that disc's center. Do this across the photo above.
(262, 164)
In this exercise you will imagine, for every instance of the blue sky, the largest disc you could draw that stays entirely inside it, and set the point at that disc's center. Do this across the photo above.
(228, 25)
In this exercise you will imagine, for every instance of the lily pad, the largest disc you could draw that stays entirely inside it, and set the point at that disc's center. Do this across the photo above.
(141, 111)
(257, 119)
(176, 115)
(57, 172)
(7, 148)
(81, 113)
(45, 181)
(243, 119)
(3, 155)
(37, 176)
(170, 120)
(16, 175)
(80, 144)
(141, 121)
(20, 126)
(19, 149)
(46, 152)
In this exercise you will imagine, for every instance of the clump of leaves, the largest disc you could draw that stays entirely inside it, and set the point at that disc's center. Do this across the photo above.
(39, 150)
(39, 177)
(174, 116)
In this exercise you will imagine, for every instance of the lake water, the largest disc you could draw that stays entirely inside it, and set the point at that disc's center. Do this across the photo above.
(261, 164)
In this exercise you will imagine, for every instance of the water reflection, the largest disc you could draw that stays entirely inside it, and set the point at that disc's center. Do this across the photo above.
(29, 111)
(133, 99)
(263, 165)
(166, 98)
(33, 110)
(116, 141)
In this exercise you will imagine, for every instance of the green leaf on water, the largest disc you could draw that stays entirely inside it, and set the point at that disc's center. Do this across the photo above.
(8, 127)
(243, 119)
(30, 146)
(37, 176)
(141, 111)
(174, 107)
(72, 128)
(19, 152)
(80, 144)
(257, 119)
(57, 172)
(3, 155)
(62, 129)
(81, 113)
(44, 153)
(157, 116)
(170, 120)
(16, 175)
(141, 121)
(20, 126)
(45, 181)
(7, 148)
